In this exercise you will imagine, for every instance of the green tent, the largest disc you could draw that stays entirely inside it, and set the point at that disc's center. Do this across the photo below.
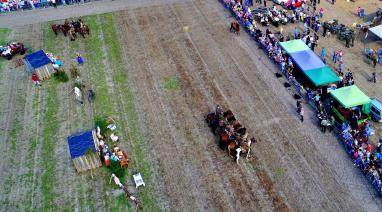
(294, 46)
(321, 76)
(350, 96)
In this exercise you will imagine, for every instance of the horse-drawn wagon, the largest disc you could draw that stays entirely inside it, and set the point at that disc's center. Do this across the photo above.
(231, 135)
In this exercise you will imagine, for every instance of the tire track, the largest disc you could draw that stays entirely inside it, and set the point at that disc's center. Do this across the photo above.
(174, 54)
(144, 51)
(194, 55)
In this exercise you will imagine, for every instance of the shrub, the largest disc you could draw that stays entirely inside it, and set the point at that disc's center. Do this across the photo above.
(61, 76)
(116, 169)
(78, 85)
(102, 123)
(74, 73)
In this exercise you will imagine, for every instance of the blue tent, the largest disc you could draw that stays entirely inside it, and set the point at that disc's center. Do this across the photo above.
(39, 63)
(79, 144)
(37, 60)
(306, 60)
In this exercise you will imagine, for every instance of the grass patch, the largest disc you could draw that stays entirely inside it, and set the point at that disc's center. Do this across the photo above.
(279, 172)
(4, 32)
(120, 79)
(49, 133)
(94, 57)
(172, 83)
(50, 130)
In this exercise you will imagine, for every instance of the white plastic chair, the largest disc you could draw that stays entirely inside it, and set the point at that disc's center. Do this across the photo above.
(138, 180)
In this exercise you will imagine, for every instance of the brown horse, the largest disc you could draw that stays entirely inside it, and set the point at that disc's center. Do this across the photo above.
(56, 28)
(223, 139)
(84, 30)
(72, 34)
(235, 27)
(246, 146)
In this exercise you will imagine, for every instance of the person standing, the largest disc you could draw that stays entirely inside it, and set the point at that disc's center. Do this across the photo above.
(374, 76)
(323, 53)
(80, 60)
(321, 12)
(36, 80)
(340, 66)
(302, 114)
(347, 42)
(265, 3)
(325, 30)
(295, 32)
(54, 3)
(298, 105)
(324, 123)
(334, 56)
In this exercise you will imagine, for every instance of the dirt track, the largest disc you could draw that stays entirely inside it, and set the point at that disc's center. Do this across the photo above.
(294, 167)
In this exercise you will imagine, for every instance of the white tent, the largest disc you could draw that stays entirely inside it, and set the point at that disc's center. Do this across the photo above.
(377, 31)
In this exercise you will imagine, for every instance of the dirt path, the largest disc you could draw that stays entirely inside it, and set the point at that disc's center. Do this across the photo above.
(97, 7)
(207, 78)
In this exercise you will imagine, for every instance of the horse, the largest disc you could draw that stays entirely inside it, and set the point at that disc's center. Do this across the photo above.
(234, 150)
(84, 30)
(65, 28)
(229, 116)
(224, 139)
(77, 26)
(235, 27)
(210, 118)
(56, 28)
(72, 34)
(246, 146)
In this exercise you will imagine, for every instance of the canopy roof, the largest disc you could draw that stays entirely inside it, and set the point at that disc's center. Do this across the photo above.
(294, 46)
(377, 31)
(321, 76)
(350, 96)
(307, 60)
(79, 143)
(37, 59)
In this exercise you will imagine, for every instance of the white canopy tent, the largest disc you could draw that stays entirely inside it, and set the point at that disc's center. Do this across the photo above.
(377, 31)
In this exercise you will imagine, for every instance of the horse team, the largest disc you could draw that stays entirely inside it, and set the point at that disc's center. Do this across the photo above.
(231, 134)
(71, 28)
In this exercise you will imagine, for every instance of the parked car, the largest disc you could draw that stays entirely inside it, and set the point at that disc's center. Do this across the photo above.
(11, 49)
(376, 110)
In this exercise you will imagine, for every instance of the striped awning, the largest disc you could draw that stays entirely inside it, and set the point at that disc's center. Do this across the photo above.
(86, 162)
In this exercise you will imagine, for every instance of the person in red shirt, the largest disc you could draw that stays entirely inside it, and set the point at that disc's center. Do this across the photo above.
(36, 80)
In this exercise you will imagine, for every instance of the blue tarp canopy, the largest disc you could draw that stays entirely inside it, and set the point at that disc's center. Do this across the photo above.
(79, 143)
(37, 59)
(307, 60)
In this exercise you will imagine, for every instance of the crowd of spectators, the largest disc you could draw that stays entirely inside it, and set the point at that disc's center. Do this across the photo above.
(355, 137)
(8, 6)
